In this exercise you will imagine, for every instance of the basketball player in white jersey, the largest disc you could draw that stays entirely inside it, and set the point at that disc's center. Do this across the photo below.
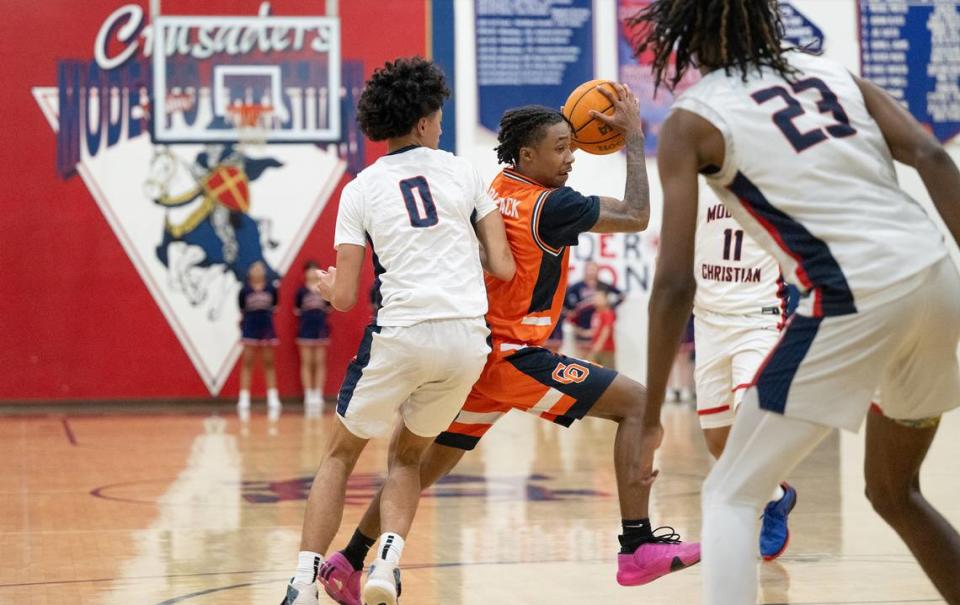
(801, 153)
(739, 309)
(422, 211)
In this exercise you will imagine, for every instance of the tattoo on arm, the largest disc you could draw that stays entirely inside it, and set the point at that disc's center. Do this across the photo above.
(633, 213)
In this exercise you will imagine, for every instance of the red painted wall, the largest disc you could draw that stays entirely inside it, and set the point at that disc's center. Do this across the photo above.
(76, 320)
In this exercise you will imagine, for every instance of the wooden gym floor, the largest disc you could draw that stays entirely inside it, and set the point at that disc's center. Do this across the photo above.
(196, 508)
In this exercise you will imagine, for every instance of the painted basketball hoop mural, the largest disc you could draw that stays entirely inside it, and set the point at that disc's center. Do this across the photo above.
(209, 143)
(227, 65)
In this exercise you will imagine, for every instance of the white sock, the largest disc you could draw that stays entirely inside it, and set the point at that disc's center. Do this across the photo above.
(244, 400)
(307, 565)
(778, 494)
(315, 396)
(390, 547)
(273, 398)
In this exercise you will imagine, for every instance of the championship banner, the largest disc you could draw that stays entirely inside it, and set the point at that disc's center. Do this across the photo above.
(531, 52)
(911, 49)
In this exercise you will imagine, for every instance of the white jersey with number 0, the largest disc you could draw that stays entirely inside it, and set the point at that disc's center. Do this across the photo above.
(808, 175)
(417, 207)
(735, 276)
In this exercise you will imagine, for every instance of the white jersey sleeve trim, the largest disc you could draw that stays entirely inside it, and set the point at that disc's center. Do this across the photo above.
(483, 202)
(350, 227)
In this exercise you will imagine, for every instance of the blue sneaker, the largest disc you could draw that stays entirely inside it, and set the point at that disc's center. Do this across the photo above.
(774, 533)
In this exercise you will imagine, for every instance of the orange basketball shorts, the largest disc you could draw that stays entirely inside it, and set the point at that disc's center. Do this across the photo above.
(535, 380)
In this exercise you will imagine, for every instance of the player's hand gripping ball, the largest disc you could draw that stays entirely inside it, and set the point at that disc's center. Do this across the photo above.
(601, 113)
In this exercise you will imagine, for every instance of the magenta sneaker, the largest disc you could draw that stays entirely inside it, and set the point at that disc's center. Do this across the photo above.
(652, 560)
(340, 580)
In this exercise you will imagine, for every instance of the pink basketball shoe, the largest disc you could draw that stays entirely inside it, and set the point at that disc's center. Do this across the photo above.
(654, 559)
(340, 580)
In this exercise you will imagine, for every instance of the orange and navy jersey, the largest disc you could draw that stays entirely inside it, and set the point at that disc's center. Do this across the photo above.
(541, 223)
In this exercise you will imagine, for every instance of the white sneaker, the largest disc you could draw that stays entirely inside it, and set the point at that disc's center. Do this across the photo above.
(243, 406)
(383, 584)
(299, 593)
(273, 405)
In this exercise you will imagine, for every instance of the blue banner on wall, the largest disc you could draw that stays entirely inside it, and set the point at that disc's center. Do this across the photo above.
(799, 30)
(911, 49)
(531, 52)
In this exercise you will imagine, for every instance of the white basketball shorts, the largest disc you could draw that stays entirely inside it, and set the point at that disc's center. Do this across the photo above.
(425, 371)
(730, 349)
(826, 370)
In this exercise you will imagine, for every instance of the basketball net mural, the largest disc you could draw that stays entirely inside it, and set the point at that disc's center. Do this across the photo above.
(180, 150)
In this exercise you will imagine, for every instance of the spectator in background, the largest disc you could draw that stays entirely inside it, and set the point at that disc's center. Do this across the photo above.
(257, 301)
(579, 304)
(312, 338)
(680, 383)
(602, 346)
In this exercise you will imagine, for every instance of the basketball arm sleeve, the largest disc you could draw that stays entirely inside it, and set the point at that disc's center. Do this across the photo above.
(350, 228)
(563, 215)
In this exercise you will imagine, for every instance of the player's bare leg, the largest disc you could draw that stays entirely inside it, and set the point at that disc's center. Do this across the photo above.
(324, 513)
(399, 498)
(894, 454)
(340, 575)
(325, 503)
(644, 557)
(624, 402)
(716, 440)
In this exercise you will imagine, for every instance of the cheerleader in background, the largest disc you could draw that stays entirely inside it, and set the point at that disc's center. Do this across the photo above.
(312, 338)
(258, 300)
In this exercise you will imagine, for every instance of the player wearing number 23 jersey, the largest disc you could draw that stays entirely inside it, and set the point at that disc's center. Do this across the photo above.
(823, 199)
(801, 153)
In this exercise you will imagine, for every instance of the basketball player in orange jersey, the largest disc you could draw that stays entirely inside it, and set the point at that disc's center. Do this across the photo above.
(543, 219)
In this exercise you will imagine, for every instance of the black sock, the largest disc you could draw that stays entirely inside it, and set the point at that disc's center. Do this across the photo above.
(635, 533)
(356, 551)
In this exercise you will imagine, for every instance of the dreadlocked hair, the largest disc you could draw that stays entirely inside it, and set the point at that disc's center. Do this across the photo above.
(733, 35)
(523, 127)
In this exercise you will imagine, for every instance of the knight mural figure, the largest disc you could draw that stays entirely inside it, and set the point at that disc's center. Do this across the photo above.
(220, 225)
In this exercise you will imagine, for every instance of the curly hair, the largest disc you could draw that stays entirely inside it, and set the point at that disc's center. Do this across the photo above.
(397, 95)
(740, 35)
(523, 127)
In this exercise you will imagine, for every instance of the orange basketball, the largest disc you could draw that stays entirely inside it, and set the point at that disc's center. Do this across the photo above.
(590, 134)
